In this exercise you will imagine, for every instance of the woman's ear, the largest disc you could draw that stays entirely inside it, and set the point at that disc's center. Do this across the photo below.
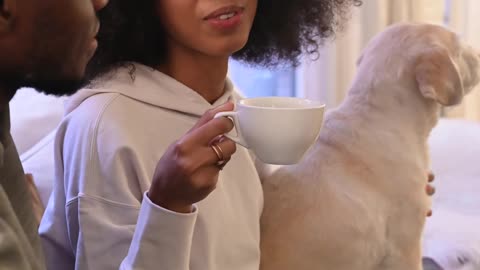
(438, 77)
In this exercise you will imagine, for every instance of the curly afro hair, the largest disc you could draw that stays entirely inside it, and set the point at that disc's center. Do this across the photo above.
(281, 32)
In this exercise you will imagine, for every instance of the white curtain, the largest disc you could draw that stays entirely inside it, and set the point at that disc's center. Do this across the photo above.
(328, 78)
(465, 19)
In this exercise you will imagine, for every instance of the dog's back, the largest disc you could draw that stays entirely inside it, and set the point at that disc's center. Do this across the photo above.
(338, 209)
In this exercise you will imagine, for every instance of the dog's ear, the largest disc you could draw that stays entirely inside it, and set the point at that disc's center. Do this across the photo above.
(438, 77)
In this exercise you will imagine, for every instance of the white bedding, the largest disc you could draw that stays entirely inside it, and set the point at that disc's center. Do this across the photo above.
(34, 116)
(452, 235)
(38, 161)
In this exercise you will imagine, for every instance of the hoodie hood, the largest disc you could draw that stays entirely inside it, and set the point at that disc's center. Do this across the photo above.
(152, 87)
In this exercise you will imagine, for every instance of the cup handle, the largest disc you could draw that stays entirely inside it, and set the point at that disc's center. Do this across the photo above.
(233, 116)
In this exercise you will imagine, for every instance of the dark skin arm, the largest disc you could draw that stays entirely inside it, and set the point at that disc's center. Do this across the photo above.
(188, 171)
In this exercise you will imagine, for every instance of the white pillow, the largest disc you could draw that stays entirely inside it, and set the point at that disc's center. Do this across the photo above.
(452, 235)
(455, 153)
(33, 116)
(452, 240)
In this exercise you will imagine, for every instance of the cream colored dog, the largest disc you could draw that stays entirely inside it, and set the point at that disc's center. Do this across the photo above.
(357, 201)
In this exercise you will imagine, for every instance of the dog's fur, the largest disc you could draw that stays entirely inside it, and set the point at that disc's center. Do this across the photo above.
(357, 201)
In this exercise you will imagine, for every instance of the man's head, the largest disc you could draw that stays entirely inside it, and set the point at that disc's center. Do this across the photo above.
(46, 44)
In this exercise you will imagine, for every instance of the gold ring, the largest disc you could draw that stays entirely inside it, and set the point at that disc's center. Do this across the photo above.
(219, 152)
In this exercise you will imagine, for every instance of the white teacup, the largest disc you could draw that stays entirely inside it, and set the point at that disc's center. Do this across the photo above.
(279, 130)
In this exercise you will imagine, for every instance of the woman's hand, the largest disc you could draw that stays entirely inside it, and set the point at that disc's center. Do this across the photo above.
(188, 171)
(430, 189)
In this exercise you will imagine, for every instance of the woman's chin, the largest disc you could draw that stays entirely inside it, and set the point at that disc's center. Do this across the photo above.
(228, 49)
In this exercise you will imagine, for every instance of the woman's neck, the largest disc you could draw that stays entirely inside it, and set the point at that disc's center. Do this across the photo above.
(206, 75)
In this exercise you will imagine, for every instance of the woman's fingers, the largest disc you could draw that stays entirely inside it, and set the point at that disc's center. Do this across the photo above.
(430, 190)
(210, 114)
(220, 150)
(214, 128)
(431, 177)
(201, 156)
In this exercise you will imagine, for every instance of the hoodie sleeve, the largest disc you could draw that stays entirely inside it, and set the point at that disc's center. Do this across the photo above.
(174, 252)
(99, 216)
(108, 236)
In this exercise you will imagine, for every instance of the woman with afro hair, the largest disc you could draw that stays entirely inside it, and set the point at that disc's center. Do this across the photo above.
(144, 179)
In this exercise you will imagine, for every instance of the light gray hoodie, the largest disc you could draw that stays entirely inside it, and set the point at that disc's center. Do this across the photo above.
(106, 151)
